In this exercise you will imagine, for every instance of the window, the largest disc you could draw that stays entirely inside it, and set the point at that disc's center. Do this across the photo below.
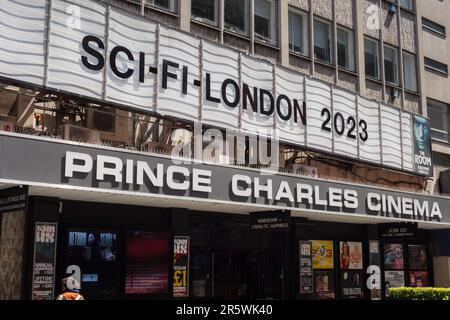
(407, 4)
(371, 55)
(436, 66)
(236, 16)
(439, 116)
(391, 64)
(265, 20)
(298, 32)
(410, 71)
(204, 10)
(346, 49)
(322, 40)
(433, 26)
(169, 5)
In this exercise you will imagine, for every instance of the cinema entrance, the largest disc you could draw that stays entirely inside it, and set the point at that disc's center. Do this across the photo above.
(228, 261)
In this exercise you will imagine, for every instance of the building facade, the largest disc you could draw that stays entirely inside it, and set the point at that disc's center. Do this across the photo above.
(135, 139)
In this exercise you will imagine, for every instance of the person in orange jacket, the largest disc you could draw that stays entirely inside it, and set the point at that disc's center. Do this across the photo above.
(69, 294)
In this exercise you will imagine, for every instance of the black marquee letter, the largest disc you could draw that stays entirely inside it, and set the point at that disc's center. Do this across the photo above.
(113, 59)
(289, 105)
(300, 112)
(166, 74)
(237, 95)
(253, 99)
(208, 90)
(101, 60)
(262, 94)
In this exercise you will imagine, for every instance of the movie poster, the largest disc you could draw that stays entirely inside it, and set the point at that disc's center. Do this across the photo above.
(322, 254)
(324, 284)
(95, 252)
(418, 279)
(306, 276)
(351, 257)
(44, 261)
(393, 256)
(181, 267)
(417, 257)
(422, 146)
(393, 279)
(147, 263)
(352, 284)
(374, 272)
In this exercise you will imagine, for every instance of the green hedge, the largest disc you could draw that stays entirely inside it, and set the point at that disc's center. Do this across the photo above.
(420, 293)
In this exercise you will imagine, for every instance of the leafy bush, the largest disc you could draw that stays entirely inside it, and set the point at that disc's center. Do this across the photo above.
(419, 293)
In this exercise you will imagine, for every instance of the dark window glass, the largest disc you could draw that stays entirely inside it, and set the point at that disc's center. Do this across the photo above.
(433, 26)
(236, 15)
(322, 41)
(371, 58)
(436, 65)
(204, 10)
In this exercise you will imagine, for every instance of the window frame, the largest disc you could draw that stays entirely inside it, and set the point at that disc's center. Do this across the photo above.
(350, 49)
(305, 31)
(396, 81)
(200, 19)
(173, 6)
(414, 56)
(330, 40)
(273, 38)
(234, 29)
(434, 69)
(430, 28)
(411, 8)
(378, 59)
(446, 131)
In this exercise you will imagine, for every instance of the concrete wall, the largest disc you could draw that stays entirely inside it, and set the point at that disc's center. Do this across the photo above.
(12, 239)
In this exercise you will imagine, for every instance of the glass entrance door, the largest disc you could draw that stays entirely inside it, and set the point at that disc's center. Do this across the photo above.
(239, 274)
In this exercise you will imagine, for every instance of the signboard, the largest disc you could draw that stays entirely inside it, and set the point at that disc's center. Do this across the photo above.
(407, 231)
(85, 167)
(43, 282)
(422, 146)
(324, 284)
(322, 254)
(13, 199)
(351, 284)
(374, 280)
(277, 220)
(393, 279)
(181, 267)
(109, 54)
(351, 255)
(418, 279)
(147, 266)
(306, 273)
(417, 257)
(393, 256)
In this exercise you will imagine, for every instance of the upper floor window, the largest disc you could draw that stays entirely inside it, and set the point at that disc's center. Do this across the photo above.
(322, 40)
(433, 26)
(169, 5)
(205, 11)
(265, 18)
(436, 66)
(346, 48)
(236, 16)
(438, 113)
(391, 64)
(298, 32)
(410, 71)
(407, 4)
(371, 56)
